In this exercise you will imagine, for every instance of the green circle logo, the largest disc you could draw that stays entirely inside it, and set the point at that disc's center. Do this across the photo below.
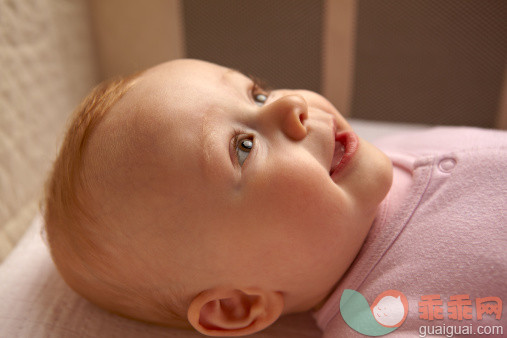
(386, 314)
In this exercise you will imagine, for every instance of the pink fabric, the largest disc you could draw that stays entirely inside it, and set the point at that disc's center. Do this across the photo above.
(440, 230)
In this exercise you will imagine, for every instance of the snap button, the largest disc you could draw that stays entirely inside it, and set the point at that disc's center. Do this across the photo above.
(447, 165)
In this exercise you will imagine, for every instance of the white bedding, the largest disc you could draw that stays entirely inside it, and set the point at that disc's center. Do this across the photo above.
(35, 301)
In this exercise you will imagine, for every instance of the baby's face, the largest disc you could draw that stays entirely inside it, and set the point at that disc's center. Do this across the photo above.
(219, 186)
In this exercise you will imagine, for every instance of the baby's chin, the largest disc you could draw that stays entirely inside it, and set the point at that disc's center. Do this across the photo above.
(368, 177)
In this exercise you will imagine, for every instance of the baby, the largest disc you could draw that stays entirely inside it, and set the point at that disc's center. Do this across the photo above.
(188, 195)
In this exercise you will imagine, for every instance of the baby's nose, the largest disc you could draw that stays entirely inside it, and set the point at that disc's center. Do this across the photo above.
(288, 113)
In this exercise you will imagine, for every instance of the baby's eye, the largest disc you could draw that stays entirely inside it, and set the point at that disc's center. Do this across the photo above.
(243, 148)
(260, 99)
(259, 94)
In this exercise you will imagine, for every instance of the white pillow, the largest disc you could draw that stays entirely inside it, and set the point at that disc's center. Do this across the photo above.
(36, 302)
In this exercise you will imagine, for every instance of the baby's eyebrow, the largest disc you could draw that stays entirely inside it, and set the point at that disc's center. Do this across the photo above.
(255, 79)
(234, 70)
(209, 139)
(205, 138)
(230, 71)
(214, 158)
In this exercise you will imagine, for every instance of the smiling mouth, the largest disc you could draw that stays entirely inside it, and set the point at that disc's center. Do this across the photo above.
(345, 147)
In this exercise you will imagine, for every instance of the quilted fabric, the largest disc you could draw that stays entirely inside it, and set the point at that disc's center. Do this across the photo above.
(47, 63)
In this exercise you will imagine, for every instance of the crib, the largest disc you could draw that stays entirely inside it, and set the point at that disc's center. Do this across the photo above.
(389, 66)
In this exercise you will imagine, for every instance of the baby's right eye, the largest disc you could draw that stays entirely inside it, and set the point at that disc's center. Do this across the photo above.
(243, 148)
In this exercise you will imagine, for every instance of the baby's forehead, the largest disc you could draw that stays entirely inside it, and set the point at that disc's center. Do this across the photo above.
(185, 69)
(165, 107)
(166, 92)
(145, 121)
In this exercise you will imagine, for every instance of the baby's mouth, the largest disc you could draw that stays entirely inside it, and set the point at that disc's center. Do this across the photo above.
(345, 146)
(339, 151)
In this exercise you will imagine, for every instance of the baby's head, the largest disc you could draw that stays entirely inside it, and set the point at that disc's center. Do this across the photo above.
(188, 194)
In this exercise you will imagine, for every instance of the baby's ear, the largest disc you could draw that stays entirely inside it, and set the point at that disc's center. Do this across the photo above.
(233, 312)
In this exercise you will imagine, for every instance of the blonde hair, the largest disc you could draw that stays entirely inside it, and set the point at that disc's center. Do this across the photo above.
(71, 228)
